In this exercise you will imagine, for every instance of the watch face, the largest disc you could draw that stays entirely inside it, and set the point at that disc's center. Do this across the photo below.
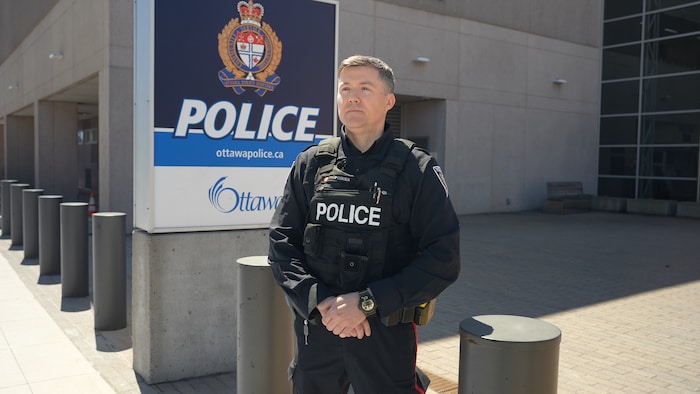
(368, 305)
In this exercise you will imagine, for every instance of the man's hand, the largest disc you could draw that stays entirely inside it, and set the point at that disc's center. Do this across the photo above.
(341, 316)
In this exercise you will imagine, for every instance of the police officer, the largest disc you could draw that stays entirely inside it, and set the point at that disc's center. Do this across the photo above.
(362, 241)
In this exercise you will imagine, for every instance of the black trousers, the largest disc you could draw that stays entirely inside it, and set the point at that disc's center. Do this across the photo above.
(382, 363)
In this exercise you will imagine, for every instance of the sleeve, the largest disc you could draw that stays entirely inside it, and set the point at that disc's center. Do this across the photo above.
(435, 226)
(286, 248)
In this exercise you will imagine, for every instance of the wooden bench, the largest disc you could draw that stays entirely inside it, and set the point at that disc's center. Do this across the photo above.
(563, 197)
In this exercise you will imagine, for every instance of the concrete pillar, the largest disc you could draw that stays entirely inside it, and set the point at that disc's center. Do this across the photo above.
(116, 141)
(266, 331)
(16, 212)
(74, 250)
(508, 354)
(56, 159)
(109, 270)
(30, 222)
(6, 205)
(50, 235)
(19, 148)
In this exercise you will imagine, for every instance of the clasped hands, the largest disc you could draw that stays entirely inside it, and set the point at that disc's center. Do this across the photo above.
(341, 316)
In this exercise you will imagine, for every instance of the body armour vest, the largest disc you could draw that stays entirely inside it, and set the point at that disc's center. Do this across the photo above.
(353, 224)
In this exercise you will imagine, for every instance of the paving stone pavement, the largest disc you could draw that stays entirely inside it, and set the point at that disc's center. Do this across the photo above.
(624, 290)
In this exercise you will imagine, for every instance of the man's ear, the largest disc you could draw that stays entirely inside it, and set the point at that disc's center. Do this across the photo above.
(390, 101)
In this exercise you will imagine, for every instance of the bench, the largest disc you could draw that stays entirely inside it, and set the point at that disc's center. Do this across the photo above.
(563, 197)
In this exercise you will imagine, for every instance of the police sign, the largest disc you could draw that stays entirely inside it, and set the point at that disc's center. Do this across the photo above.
(226, 94)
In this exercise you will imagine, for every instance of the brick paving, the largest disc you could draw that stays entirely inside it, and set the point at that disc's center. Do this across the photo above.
(623, 289)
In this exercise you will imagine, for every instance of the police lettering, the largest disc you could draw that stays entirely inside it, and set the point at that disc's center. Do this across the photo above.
(354, 214)
(194, 112)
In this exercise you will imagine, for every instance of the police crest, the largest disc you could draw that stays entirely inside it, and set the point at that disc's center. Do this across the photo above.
(250, 51)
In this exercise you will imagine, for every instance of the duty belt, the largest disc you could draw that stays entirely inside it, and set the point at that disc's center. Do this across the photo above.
(420, 314)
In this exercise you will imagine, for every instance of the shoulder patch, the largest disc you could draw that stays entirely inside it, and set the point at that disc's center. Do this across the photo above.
(441, 177)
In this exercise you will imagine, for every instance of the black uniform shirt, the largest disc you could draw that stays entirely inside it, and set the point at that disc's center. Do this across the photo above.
(433, 224)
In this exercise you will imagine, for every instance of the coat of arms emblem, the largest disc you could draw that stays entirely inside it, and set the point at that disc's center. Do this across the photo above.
(250, 51)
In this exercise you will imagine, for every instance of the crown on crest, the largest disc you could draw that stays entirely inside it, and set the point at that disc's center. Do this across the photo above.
(250, 12)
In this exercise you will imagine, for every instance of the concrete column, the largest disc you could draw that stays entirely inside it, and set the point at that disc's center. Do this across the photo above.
(50, 235)
(265, 331)
(74, 250)
(16, 213)
(56, 159)
(109, 270)
(30, 222)
(7, 206)
(19, 148)
(116, 141)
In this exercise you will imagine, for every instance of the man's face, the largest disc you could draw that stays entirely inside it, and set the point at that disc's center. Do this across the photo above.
(363, 99)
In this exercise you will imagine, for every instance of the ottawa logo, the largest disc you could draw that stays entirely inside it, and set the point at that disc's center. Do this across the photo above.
(250, 51)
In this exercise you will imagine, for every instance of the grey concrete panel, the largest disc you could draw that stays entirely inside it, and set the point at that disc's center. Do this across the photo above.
(184, 301)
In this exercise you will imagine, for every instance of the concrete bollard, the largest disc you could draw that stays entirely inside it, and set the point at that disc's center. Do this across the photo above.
(74, 250)
(109, 270)
(50, 235)
(30, 222)
(6, 205)
(16, 213)
(508, 354)
(264, 319)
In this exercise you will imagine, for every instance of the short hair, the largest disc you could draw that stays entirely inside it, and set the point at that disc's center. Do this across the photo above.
(385, 72)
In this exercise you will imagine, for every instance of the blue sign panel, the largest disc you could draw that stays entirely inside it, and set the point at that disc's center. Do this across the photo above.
(242, 84)
(227, 93)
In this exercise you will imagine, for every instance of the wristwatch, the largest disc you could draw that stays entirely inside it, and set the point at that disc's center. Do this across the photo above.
(367, 304)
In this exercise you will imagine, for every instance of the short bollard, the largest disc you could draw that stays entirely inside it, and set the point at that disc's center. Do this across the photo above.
(508, 354)
(6, 205)
(30, 222)
(265, 330)
(16, 213)
(50, 234)
(109, 270)
(74, 250)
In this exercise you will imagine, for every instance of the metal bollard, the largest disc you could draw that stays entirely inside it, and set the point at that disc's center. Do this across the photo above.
(30, 222)
(6, 205)
(264, 351)
(74, 250)
(16, 213)
(508, 354)
(50, 235)
(109, 270)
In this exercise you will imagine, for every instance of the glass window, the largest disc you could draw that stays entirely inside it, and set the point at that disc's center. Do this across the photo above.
(660, 4)
(672, 22)
(622, 31)
(619, 130)
(617, 161)
(669, 129)
(621, 62)
(672, 162)
(616, 187)
(671, 56)
(672, 93)
(620, 97)
(618, 8)
(667, 189)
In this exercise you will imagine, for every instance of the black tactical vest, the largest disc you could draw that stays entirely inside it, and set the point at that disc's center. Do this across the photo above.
(353, 224)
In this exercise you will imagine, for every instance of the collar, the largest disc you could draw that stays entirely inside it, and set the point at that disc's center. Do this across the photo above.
(378, 149)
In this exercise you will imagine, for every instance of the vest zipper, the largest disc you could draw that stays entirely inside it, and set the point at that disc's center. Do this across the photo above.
(306, 332)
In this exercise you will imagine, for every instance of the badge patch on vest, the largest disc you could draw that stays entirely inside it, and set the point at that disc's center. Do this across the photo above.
(441, 177)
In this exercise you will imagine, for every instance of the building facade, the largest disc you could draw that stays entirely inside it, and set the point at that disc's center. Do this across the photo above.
(650, 102)
(485, 102)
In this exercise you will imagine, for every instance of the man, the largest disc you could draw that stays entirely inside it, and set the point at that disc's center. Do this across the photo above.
(364, 236)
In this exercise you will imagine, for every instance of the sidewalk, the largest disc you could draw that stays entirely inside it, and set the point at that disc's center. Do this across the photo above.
(35, 354)
(623, 289)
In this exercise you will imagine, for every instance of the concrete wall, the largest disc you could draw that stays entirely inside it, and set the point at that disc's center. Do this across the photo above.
(508, 129)
(184, 301)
